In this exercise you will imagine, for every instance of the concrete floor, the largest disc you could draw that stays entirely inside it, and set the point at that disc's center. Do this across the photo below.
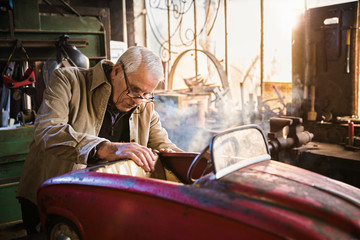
(17, 232)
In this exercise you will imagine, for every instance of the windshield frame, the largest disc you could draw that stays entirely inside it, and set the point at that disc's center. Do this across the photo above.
(243, 163)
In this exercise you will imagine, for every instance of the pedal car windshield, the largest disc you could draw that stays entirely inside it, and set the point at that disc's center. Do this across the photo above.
(237, 148)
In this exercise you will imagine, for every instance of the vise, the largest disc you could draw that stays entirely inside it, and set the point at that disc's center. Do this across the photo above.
(287, 132)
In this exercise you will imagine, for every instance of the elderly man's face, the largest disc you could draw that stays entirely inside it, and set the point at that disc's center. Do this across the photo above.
(129, 90)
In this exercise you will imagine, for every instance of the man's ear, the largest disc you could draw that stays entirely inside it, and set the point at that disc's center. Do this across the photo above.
(117, 69)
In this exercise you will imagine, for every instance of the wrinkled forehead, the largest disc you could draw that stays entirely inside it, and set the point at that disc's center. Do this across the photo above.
(143, 80)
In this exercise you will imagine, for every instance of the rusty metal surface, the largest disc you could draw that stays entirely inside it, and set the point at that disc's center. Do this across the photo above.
(264, 200)
(325, 203)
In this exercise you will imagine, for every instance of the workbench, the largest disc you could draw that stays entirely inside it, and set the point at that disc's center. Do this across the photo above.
(331, 160)
(14, 142)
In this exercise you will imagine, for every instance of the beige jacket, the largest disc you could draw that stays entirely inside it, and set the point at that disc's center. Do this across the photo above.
(68, 122)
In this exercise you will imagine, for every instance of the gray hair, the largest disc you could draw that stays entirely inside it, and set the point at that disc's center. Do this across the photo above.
(135, 57)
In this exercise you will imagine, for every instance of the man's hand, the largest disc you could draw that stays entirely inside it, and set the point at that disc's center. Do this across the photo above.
(168, 150)
(141, 155)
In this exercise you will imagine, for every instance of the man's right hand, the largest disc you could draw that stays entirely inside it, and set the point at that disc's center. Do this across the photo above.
(141, 155)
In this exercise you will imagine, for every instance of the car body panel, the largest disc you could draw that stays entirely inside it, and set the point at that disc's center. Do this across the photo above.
(239, 204)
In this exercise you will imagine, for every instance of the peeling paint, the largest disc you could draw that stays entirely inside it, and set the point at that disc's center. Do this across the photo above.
(265, 196)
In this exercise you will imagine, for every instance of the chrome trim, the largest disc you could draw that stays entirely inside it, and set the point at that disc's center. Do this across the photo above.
(243, 163)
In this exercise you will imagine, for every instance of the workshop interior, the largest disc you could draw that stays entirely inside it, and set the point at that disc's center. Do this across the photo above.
(290, 67)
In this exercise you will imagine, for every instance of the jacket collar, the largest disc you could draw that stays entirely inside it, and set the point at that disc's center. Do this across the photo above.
(99, 76)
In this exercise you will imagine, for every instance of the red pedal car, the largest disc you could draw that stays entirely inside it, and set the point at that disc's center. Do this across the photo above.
(231, 190)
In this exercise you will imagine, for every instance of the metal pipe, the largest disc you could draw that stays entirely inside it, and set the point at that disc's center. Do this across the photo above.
(226, 42)
(70, 7)
(356, 83)
(195, 39)
(26, 98)
(306, 44)
(124, 21)
(169, 39)
(261, 46)
(144, 23)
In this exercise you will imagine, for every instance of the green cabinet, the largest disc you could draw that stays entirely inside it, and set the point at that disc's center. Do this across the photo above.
(14, 146)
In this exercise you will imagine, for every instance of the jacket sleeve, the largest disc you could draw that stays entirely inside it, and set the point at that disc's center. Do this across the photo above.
(158, 137)
(53, 133)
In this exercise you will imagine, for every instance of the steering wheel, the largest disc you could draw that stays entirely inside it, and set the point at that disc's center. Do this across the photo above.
(204, 154)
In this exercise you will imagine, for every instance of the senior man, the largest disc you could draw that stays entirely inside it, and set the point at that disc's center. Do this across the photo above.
(105, 112)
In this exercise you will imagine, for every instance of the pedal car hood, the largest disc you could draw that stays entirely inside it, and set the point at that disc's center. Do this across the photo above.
(294, 189)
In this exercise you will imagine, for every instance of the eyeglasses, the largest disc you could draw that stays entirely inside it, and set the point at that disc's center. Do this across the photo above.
(148, 97)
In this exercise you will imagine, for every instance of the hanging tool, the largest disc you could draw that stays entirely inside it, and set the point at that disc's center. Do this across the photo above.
(348, 38)
(69, 55)
(23, 86)
(27, 79)
(27, 115)
(312, 114)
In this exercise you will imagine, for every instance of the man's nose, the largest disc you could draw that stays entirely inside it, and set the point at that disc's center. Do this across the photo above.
(137, 101)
